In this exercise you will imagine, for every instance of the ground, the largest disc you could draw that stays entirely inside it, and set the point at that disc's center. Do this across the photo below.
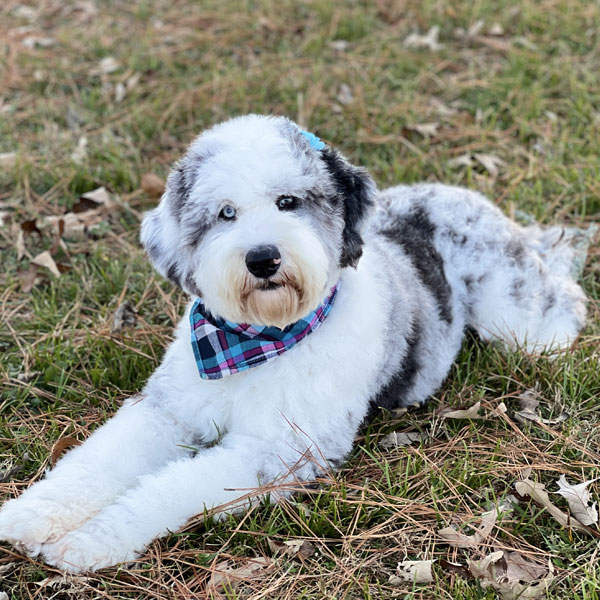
(503, 99)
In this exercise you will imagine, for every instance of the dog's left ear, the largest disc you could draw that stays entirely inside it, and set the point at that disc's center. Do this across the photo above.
(356, 189)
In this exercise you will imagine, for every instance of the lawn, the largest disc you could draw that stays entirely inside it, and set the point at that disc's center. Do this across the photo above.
(498, 96)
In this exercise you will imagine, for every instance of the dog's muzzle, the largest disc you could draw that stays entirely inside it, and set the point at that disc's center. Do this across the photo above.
(264, 261)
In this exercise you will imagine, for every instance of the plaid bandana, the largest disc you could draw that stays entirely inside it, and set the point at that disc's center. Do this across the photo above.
(222, 347)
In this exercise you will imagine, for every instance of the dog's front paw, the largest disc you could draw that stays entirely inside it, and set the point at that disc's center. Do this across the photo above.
(28, 523)
(90, 548)
(38, 516)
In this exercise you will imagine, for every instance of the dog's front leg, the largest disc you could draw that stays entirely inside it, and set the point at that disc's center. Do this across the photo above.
(137, 440)
(164, 501)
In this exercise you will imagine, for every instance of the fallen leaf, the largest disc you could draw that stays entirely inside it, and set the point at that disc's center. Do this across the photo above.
(518, 568)
(415, 571)
(292, 548)
(153, 185)
(34, 41)
(345, 95)
(429, 40)
(460, 540)
(120, 92)
(106, 66)
(528, 405)
(79, 155)
(496, 29)
(44, 259)
(125, 316)
(400, 439)
(60, 446)
(425, 129)
(469, 413)
(578, 498)
(339, 45)
(86, 215)
(537, 492)
(464, 160)
(490, 162)
(20, 244)
(30, 227)
(228, 575)
(28, 278)
(500, 572)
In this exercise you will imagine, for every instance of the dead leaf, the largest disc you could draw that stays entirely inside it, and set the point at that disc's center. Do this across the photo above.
(120, 92)
(502, 571)
(490, 162)
(106, 66)
(429, 40)
(292, 548)
(578, 498)
(425, 129)
(35, 41)
(528, 405)
(339, 45)
(469, 413)
(20, 244)
(460, 540)
(464, 160)
(60, 446)
(153, 185)
(28, 278)
(345, 95)
(86, 215)
(414, 571)
(44, 259)
(400, 439)
(518, 568)
(537, 492)
(125, 316)
(79, 155)
(228, 575)
(30, 227)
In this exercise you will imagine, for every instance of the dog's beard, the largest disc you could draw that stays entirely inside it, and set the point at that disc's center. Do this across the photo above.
(278, 301)
(289, 295)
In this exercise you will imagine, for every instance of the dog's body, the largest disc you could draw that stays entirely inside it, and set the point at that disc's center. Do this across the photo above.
(435, 260)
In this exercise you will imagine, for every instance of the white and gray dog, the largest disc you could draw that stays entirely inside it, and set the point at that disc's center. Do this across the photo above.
(356, 299)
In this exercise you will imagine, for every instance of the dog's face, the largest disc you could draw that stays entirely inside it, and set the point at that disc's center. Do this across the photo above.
(257, 222)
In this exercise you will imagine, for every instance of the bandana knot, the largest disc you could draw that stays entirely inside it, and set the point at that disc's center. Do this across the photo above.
(222, 347)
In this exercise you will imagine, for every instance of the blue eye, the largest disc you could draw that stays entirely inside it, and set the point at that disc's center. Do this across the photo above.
(227, 212)
(286, 202)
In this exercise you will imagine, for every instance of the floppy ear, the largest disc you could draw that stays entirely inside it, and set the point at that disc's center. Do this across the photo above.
(161, 235)
(356, 190)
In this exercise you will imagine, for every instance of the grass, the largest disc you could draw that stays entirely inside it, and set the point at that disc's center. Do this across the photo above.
(527, 96)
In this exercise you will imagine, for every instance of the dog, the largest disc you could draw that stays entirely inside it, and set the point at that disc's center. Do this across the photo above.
(316, 301)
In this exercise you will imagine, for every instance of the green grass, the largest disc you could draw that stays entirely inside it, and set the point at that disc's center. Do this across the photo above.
(528, 97)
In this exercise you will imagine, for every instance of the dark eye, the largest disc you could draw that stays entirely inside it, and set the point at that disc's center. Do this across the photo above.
(227, 213)
(286, 202)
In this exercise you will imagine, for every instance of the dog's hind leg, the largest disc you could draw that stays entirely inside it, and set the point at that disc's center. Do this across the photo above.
(526, 297)
(136, 441)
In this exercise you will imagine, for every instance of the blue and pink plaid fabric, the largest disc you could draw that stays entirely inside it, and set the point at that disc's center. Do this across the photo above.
(222, 347)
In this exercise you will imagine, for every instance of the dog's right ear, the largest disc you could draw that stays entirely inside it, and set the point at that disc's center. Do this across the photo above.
(160, 234)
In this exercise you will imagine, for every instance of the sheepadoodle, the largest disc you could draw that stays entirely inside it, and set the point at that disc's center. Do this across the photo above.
(315, 300)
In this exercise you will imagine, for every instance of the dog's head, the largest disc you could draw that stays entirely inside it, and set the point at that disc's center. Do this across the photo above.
(258, 220)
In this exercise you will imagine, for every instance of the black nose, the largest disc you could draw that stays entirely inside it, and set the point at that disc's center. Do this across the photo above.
(263, 261)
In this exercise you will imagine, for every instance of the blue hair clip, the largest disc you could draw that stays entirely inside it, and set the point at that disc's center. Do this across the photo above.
(313, 140)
